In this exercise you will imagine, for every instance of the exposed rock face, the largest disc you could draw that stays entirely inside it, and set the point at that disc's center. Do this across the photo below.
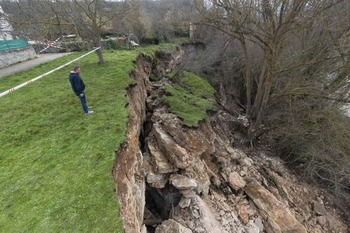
(127, 171)
(179, 179)
(278, 215)
(198, 216)
(177, 155)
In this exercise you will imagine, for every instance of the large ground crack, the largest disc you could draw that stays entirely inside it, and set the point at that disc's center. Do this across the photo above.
(133, 192)
(171, 178)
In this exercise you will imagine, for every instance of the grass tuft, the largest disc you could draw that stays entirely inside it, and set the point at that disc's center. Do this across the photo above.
(197, 85)
(190, 99)
(153, 49)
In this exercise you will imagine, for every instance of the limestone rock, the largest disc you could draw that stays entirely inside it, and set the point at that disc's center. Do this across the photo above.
(200, 214)
(247, 161)
(279, 215)
(162, 164)
(200, 172)
(157, 180)
(177, 155)
(252, 228)
(322, 220)
(143, 229)
(185, 202)
(258, 222)
(171, 226)
(207, 216)
(236, 181)
(236, 153)
(193, 140)
(243, 213)
(319, 209)
(199, 230)
(182, 182)
(188, 193)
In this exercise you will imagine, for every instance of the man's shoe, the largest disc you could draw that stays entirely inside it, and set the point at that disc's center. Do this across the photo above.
(89, 112)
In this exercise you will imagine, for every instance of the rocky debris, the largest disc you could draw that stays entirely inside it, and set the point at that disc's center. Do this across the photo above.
(259, 223)
(236, 181)
(251, 227)
(279, 216)
(172, 178)
(172, 226)
(198, 216)
(177, 155)
(182, 182)
(319, 208)
(194, 141)
(157, 180)
(161, 163)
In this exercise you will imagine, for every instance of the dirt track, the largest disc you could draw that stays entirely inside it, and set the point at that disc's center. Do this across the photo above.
(26, 65)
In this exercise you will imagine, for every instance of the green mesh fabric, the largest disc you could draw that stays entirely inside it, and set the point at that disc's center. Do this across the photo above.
(13, 44)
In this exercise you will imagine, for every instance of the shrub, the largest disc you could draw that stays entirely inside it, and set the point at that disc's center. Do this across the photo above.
(314, 138)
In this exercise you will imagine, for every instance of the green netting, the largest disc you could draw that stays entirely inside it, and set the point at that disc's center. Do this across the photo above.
(13, 44)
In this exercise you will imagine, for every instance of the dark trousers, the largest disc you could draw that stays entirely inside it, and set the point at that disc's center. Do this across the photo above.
(83, 103)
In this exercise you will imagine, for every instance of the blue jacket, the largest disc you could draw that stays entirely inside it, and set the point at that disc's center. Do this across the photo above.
(77, 83)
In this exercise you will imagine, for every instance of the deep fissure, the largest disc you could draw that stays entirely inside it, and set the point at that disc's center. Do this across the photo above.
(159, 202)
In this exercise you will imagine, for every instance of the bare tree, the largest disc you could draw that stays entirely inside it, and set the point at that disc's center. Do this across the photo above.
(274, 26)
(169, 18)
(300, 83)
(87, 18)
(32, 19)
(138, 22)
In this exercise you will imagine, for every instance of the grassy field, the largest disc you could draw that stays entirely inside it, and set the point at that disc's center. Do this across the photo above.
(55, 162)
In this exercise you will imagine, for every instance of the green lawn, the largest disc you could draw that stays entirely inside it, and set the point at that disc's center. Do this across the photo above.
(56, 162)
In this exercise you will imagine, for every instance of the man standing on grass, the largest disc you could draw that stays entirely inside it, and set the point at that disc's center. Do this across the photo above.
(78, 87)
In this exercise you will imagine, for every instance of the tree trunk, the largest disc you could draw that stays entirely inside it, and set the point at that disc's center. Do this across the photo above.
(260, 91)
(97, 33)
(99, 51)
(100, 56)
(248, 75)
(264, 88)
(97, 43)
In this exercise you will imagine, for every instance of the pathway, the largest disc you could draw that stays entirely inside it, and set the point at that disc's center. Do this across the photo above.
(27, 65)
